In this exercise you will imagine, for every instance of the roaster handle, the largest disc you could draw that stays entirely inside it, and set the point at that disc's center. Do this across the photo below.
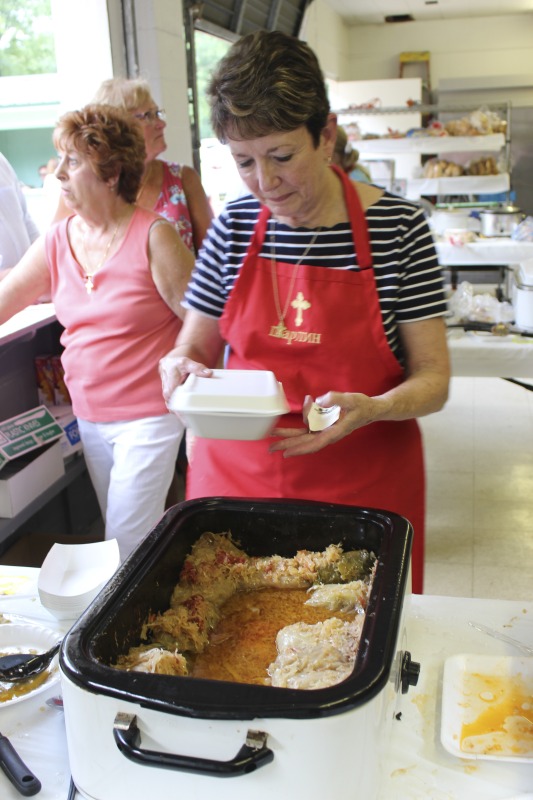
(252, 755)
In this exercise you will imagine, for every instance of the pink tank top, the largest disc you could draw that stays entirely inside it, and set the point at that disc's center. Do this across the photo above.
(115, 336)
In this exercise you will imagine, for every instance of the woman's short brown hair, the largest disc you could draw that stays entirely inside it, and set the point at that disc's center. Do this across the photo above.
(266, 82)
(110, 139)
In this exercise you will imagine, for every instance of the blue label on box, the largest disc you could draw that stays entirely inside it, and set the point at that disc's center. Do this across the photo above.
(72, 432)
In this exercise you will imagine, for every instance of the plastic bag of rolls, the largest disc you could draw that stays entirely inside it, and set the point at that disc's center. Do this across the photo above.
(440, 168)
(481, 122)
(483, 166)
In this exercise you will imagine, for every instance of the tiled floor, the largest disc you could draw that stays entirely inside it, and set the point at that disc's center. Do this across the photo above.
(479, 458)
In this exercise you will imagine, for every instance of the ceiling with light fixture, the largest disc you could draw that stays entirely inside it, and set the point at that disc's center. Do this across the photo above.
(235, 18)
(368, 12)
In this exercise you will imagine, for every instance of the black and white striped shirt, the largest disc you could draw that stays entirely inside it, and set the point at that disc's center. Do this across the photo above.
(408, 276)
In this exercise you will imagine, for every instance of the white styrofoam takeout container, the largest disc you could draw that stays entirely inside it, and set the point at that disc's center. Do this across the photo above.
(232, 404)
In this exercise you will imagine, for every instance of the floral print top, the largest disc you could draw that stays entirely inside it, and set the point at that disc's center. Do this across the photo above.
(172, 203)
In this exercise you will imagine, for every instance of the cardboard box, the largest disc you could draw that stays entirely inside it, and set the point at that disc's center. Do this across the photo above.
(27, 432)
(61, 393)
(26, 477)
(50, 376)
(44, 373)
(70, 441)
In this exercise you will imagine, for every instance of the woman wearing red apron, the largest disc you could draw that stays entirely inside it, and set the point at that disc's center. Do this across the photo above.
(289, 281)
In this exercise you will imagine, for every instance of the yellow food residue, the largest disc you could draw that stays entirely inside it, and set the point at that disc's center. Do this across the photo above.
(499, 716)
(12, 584)
(10, 690)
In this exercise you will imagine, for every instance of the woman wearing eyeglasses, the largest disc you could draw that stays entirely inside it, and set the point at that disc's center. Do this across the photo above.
(172, 190)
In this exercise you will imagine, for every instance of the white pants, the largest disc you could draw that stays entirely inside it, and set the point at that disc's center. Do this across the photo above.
(131, 465)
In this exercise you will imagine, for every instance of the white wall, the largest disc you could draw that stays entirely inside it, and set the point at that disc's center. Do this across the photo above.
(162, 61)
(460, 48)
(325, 32)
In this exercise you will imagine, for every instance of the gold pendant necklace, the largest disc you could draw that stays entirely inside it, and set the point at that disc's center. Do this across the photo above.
(90, 273)
(281, 328)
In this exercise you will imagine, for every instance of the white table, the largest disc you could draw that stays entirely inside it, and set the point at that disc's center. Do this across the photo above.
(471, 354)
(492, 252)
(419, 768)
(482, 355)
(35, 729)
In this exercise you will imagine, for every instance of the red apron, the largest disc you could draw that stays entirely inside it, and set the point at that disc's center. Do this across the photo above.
(334, 341)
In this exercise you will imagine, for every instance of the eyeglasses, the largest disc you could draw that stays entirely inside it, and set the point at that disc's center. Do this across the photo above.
(152, 116)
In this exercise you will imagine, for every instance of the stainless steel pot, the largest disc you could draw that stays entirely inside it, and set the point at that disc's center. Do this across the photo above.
(500, 221)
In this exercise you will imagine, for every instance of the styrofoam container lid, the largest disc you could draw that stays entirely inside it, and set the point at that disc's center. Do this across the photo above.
(231, 391)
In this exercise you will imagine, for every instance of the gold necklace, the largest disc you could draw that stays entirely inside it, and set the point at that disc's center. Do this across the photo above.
(281, 328)
(90, 273)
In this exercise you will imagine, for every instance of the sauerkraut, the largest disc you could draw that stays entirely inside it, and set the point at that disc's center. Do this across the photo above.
(308, 655)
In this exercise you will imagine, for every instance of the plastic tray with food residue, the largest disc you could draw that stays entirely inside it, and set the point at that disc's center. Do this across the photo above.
(487, 707)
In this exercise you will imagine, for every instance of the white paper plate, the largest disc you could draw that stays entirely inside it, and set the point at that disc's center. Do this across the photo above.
(487, 707)
(21, 638)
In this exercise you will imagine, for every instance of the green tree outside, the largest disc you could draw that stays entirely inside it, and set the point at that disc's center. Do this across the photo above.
(26, 38)
(209, 50)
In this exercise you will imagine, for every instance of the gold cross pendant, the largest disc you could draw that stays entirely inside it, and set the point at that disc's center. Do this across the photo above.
(279, 329)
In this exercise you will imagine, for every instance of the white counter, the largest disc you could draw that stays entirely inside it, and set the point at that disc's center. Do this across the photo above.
(492, 251)
(35, 729)
(483, 355)
(27, 321)
(419, 768)
(479, 354)
(471, 354)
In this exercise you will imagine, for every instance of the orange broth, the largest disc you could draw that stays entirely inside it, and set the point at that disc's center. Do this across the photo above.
(243, 643)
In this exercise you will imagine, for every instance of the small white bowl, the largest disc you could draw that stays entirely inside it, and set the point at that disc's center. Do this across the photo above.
(232, 404)
(72, 575)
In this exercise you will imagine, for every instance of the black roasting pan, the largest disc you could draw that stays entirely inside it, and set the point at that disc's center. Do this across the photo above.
(144, 583)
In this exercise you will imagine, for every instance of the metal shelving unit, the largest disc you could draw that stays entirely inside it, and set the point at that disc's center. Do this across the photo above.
(391, 147)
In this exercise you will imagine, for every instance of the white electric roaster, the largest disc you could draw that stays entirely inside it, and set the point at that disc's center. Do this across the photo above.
(133, 736)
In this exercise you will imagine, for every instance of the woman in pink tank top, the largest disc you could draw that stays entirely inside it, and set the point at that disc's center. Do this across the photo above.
(116, 273)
